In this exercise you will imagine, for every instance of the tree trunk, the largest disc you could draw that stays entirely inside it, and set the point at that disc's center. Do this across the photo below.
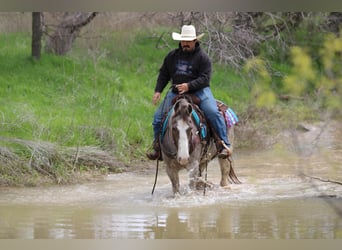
(36, 34)
(61, 40)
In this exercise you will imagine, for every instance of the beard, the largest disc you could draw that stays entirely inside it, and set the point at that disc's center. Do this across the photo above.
(186, 48)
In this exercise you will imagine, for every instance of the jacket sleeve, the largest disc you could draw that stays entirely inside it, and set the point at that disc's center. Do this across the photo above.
(164, 75)
(204, 74)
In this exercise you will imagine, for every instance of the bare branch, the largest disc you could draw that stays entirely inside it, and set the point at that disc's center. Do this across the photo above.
(67, 31)
(323, 180)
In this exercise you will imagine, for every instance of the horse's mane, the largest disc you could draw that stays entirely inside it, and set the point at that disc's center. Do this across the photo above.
(167, 143)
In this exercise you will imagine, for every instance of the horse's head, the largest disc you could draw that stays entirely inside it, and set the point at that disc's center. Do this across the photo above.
(183, 130)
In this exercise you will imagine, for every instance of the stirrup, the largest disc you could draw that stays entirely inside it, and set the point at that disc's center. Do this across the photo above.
(154, 155)
(225, 152)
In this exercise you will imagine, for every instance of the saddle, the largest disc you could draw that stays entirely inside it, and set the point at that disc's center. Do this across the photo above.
(190, 97)
(203, 125)
(227, 113)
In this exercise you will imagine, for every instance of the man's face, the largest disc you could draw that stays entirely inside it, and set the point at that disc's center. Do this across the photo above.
(188, 46)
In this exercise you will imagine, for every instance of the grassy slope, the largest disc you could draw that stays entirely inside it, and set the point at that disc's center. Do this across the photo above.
(101, 97)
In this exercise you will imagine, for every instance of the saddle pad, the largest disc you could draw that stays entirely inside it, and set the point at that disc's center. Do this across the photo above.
(231, 117)
(199, 125)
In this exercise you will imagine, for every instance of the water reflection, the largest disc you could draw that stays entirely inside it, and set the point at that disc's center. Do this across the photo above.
(285, 219)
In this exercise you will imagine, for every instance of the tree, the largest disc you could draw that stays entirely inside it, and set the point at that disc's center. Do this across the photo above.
(66, 32)
(36, 34)
(234, 37)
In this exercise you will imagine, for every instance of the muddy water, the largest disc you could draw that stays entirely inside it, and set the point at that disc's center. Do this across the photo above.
(276, 200)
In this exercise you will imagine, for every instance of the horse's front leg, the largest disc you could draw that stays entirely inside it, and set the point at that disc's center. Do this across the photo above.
(193, 172)
(174, 178)
(201, 180)
(225, 167)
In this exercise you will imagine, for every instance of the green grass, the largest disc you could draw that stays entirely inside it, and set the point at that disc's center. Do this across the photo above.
(71, 100)
(66, 99)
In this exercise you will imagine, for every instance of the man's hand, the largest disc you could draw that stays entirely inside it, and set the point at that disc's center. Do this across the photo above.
(156, 98)
(182, 88)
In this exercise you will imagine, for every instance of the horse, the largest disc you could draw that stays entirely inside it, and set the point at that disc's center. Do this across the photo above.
(187, 143)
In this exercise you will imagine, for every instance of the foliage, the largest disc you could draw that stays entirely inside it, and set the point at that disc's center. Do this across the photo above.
(329, 85)
(308, 79)
(299, 80)
(262, 94)
(323, 84)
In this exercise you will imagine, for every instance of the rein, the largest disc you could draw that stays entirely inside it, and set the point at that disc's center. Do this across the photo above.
(155, 177)
(205, 176)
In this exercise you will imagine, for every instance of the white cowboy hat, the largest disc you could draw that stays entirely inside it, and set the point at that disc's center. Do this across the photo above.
(188, 33)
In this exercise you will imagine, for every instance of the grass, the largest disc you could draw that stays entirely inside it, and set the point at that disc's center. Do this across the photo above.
(80, 99)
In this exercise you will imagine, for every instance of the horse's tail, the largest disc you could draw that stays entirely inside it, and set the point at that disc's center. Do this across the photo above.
(232, 175)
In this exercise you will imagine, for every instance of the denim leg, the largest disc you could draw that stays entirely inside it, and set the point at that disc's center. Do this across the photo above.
(209, 108)
(159, 114)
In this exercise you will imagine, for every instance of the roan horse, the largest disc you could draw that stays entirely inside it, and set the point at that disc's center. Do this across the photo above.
(187, 144)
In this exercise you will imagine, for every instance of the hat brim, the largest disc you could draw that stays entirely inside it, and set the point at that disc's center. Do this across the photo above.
(179, 37)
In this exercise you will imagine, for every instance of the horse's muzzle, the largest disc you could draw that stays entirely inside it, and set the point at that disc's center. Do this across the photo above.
(183, 160)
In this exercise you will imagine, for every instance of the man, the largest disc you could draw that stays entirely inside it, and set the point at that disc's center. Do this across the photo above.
(189, 69)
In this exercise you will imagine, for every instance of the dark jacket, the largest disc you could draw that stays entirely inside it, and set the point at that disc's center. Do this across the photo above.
(190, 67)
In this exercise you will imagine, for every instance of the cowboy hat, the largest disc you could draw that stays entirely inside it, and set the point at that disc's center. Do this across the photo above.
(188, 33)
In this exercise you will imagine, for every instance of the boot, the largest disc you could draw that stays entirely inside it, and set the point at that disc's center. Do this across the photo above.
(225, 153)
(224, 150)
(155, 154)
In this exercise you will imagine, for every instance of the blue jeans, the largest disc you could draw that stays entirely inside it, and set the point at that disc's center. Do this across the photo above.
(207, 105)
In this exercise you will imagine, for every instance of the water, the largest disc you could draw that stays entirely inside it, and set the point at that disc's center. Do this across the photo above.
(275, 201)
